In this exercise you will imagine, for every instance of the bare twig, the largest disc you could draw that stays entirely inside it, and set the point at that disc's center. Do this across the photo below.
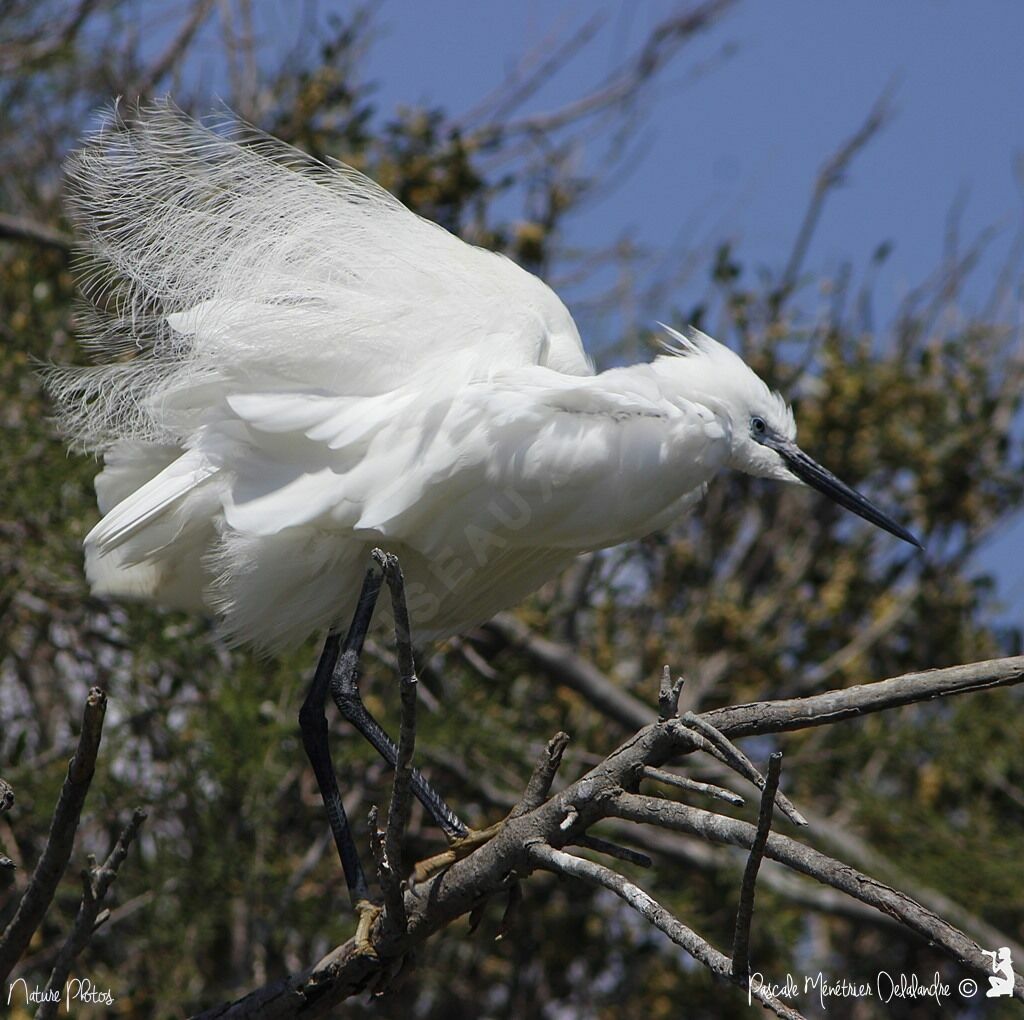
(622, 853)
(595, 796)
(830, 176)
(599, 795)
(675, 848)
(807, 861)
(511, 912)
(562, 663)
(533, 71)
(729, 753)
(761, 717)
(61, 838)
(164, 64)
(852, 849)
(745, 910)
(685, 783)
(390, 881)
(540, 782)
(668, 695)
(96, 881)
(652, 911)
(21, 54)
(18, 228)
(625, 82)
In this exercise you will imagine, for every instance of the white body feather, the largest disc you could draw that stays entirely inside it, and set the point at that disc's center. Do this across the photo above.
(317, 371)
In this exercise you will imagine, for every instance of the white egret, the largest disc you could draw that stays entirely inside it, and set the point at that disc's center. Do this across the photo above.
(298, 369)
(302, 369)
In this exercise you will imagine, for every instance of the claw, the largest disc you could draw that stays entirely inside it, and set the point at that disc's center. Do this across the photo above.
(368, 913)
(460, 849)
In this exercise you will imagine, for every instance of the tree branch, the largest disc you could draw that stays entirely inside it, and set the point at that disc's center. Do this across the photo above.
(175, 49)
(685, 783)
(96, 882)
(655, 914)
(807, 861)
(543, 776)
(603, 792)
(563, 665)
(732, 756)
(18, 228)
(761, 717)
(830, 176)
(745, 910)
(61, 839)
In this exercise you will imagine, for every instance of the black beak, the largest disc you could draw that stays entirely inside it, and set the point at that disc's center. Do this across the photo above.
(811, 472)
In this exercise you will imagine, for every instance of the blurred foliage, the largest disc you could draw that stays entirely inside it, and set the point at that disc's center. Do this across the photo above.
(763, 592)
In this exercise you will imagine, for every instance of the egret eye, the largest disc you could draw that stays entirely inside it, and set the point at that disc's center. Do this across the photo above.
(758, 426)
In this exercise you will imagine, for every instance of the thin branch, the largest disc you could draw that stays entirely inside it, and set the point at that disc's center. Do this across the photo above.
(96, 882)
(720, 829)
(625, 82)
(543, 776)
(675, 848)
(534, 70)
(745, 910)
(830, 176)
(595, 796)
(732, 756)
(566, 667)
(7, 866)
(22, 54)
(18, 228)
(511, 912)
(654, 913)
(622, 853)
(563, 666)
(668, 695)
(761, 717)
(61, 838)
(390, 882)
(855, 850)
(685, 783)
(175, 48)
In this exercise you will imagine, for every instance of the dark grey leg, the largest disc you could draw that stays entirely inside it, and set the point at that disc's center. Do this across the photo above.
(344, 687)
(313, 725)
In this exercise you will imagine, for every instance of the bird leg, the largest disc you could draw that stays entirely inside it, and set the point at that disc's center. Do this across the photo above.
(344, 688)
(337, 672)
(313, 725)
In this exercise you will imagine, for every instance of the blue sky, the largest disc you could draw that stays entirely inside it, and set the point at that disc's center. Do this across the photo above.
(737, 132)
(733, 150)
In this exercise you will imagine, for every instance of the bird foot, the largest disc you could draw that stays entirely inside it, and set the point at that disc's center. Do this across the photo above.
(459, 849)
(367, 913)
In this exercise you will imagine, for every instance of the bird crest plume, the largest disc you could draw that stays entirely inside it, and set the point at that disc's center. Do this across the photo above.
(711, 371)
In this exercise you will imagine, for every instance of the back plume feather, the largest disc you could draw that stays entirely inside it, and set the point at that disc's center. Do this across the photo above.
(218, 259)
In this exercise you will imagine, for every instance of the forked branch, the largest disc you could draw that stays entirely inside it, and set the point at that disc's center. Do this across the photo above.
(63, 826)
(538, 831)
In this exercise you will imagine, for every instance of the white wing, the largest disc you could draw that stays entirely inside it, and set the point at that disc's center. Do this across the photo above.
(237, 263)
(315, 370)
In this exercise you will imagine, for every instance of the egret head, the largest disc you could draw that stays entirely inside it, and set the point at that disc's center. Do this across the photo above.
(763, 430)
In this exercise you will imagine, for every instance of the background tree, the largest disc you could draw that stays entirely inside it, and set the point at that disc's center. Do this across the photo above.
(764, 592)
